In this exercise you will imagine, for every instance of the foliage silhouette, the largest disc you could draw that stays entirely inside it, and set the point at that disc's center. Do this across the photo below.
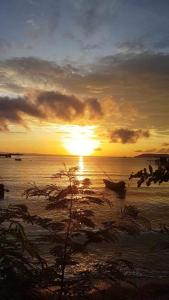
(24, 272)
(22, 269)
(77, 228)
(150, 176)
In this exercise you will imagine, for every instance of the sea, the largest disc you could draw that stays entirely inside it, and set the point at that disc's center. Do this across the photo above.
(148, 251)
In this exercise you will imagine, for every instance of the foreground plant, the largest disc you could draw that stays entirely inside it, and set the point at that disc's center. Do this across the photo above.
(21, 267)
(76, 227)
(150, 176)
(23, 272)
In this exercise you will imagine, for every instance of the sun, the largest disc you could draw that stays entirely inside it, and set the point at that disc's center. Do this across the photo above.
(81, 140)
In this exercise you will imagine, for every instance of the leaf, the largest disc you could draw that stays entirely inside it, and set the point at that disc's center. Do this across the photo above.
(59, 204)
(95, 200)
(83, 216)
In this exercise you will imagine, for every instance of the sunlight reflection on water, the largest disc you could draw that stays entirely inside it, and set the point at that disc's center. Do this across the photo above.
(81, 168)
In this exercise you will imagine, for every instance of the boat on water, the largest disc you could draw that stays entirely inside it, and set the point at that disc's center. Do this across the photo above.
(117, 187)
(18, 159)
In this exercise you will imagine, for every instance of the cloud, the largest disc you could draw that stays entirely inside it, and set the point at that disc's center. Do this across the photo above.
(130, 74)
(128, 136)
(139, 81)
(12, 111)
(131, 46)
(155, 150)
(47, 106)
(119, 75)
(164, 150)
(94, 107)
(68, 107)
(62, 106)
(18, 74)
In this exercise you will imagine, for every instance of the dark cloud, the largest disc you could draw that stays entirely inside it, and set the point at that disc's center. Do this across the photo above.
(30, 72)
(61, 106)
(69, 107)
(22, 73)
(143, 63)
(12, 111)
(46, 106)
(140, 80)
(94, 107)
(34, 67)
(128, 136)
(118, 73)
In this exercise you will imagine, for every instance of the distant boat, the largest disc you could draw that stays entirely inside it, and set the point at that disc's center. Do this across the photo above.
(118, 187)
(18, 159)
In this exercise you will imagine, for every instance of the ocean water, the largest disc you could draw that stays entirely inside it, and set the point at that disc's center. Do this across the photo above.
(153, 202)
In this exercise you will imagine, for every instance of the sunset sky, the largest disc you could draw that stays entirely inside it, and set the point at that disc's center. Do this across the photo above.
(84, 77)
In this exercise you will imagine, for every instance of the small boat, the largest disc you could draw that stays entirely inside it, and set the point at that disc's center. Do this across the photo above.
(18, 159)
(118, 187)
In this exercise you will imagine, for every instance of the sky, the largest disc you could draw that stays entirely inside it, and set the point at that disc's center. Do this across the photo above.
(84, 77)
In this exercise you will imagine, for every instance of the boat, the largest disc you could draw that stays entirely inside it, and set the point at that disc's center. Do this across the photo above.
(18, 159)
(118, 187)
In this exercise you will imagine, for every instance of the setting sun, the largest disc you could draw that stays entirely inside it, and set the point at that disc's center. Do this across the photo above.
(81, 140)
